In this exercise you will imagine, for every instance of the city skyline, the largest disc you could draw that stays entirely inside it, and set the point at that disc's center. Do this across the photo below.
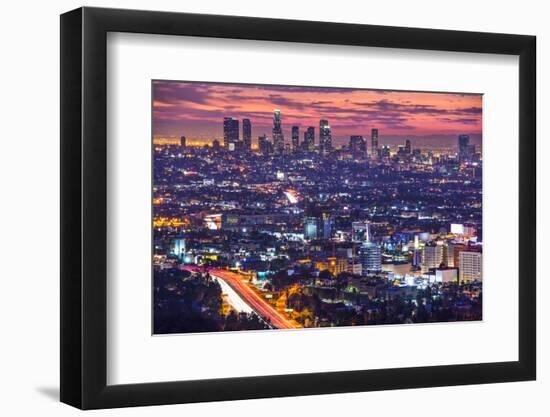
(195, 109)
(305, 230)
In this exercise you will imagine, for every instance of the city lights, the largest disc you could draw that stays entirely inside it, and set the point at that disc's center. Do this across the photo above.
(295, 207)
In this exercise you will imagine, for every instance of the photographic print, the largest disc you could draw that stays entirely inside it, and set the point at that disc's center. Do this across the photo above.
(292, 207)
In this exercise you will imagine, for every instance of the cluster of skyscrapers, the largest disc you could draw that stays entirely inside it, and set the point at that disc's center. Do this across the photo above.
(276, 145)
(364, 231)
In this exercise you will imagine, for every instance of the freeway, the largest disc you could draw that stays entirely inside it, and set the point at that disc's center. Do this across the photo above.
(257, 303)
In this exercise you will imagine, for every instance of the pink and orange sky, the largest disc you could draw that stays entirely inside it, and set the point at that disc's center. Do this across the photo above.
(196, 110)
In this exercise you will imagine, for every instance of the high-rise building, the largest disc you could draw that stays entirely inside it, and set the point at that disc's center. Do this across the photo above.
(264, 145)
(373, 257)
(357, 145)
(230, 133)
(447, 255)
(470, 152)
(455, 249)
(183, 141)
(278, 138)
(295, 138)
(370, 254)
(309, 139)
(325, 137)
(311, 228)
(463, 147)
(417, 253)
(374, 144)
(247, 134)
(326, 223)
(216, 145)
(408, 147)
(432, 256)
(469, 266)
(277, 120)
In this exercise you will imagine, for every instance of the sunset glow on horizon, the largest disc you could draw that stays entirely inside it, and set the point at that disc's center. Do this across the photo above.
(196, 110)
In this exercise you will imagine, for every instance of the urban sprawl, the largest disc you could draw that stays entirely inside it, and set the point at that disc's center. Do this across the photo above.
(296, 232)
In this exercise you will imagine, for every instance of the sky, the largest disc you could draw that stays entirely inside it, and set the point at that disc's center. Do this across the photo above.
(196, 110)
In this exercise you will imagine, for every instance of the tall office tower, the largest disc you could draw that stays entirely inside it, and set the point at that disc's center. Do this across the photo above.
(469, 266)
(327, 222)
(311, 228)
(309, 139)
(362, 146)
(374, 144)
(295, 138)
(417, 254)
(470, 152)
(183, 141)
(216, 145)
(370, 254)
(325, 137)
(371, 258)
(264, 145)
(357, 145)
(385, 151)
(463, 144)
(247, 134)
(408, 147)
(432, 256)
(278, 138)
(352, 144)
(230, 133)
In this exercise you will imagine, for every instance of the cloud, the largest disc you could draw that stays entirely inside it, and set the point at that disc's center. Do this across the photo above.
(407, 107)
(463, 120)
(346, 109)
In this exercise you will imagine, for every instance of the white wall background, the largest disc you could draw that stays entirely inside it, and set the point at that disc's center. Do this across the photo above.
(29, 236)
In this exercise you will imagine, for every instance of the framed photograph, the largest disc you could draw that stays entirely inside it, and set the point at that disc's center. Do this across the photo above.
(255, 208)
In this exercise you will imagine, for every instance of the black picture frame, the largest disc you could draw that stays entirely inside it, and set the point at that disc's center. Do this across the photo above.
(84, 207)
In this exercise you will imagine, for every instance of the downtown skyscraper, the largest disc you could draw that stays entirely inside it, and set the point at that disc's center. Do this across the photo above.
(325, 137)
(230, 133)
(357, 145)
(374, 144)
(408, 147)
(278, 137)
(264, 145)
(315, 233)
(295, 138)
(247, 134)
(309, 139)
(465, 150)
